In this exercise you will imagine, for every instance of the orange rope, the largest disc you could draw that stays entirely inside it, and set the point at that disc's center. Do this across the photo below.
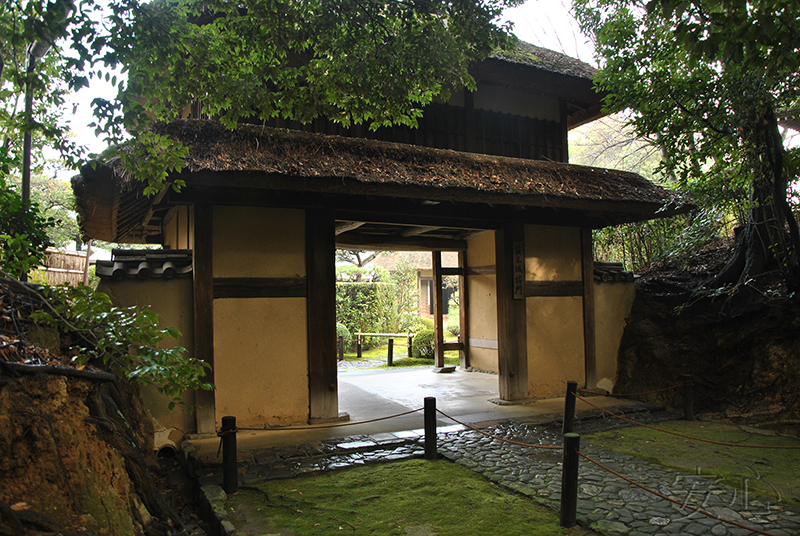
(670, 499)
(487, 434)
(783, 447)
(336, 425)
(623, 395)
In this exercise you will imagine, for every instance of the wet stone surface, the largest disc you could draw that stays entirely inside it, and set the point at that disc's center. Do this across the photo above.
(606, 503)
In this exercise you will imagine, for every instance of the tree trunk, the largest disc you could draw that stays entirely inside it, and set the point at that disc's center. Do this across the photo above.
(771, 238)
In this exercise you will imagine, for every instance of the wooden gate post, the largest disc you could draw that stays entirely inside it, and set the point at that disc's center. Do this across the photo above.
(569, 480)
(390, 352)
(569, 407)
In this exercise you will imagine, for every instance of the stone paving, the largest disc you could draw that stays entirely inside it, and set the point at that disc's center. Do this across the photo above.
(606, 504)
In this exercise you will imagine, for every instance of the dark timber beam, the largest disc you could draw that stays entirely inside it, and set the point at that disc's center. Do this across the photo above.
(343, 227)
(463, 308)
(438, 309)
(512, 324)
(589, 341)
(396, 243)
(416, 231)
(203, 283)
(321, 314)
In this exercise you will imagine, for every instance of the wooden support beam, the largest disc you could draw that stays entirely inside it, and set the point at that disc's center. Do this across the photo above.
(321, 314)
(344, 226)
(397, 243)
(589, 341)
(438, 310)
(203, 289)
(260, 287)
(554, 288)
(512, 324)
(463, 310)
(453, 271)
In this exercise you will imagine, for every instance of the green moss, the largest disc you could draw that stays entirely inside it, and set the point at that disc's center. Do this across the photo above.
(411, 497)
(773, 474)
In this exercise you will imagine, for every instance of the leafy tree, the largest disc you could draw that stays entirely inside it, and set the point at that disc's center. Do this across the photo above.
(705, 80)
(23, 232)
(349, 60)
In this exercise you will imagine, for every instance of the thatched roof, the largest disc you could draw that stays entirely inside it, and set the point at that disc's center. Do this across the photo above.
(546, 60)
(111, 205)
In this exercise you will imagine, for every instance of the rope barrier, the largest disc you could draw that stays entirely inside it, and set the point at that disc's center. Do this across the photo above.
(674, 501)
(335, 425)
(779, 447)
(487, 434)
(623, 395)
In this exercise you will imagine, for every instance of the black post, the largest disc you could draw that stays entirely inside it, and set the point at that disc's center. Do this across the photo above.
(341, 348)
(390, 354)
(358, 346)
(230, 476)
(410, 342)
(569, 407)
(569, 480)
(430, 428)
(688, 398)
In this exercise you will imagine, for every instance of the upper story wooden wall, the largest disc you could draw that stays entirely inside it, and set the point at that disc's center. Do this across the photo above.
(460, 128)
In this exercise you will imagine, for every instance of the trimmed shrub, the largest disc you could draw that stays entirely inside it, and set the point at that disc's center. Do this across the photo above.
(342, 331)
(421, 323)
(453, 322)
(422, 345)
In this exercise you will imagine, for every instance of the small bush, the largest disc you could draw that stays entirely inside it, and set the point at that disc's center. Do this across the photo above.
(453, 325)
(342, 331)
(422, 323)
(422, 346)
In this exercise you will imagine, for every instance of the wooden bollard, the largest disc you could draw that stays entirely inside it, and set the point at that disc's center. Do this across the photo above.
(230, 475)
(569, 407)
(341, 348)
(569, 480)
(688, 397)
(358, 346)
(390, 353)
(410, 342)
(430, 428)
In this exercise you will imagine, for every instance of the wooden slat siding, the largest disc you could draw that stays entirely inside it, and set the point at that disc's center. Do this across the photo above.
(455, 127)
(260, 287)
(463, 310)
(512, 324)
(321, 310)
(553, 288)
(438, 309)
(589, 342)
(203, 282)
(482, 270)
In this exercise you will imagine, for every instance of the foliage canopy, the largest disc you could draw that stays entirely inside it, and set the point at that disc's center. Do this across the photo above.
(705, 80)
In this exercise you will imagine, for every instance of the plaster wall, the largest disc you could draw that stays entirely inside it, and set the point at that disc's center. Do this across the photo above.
(555, 323)
(172, 300)
(178, 228)
(552, 253)
(612, 305)
(261, 364)
(260, 344)
(259, 242)
(482, 309)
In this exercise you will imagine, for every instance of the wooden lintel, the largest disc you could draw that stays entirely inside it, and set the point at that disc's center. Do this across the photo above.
(553, 288)
(452, 346)
(396, 243)
(260, 287)
(344, 226)
(452, 271)
(416, 231)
